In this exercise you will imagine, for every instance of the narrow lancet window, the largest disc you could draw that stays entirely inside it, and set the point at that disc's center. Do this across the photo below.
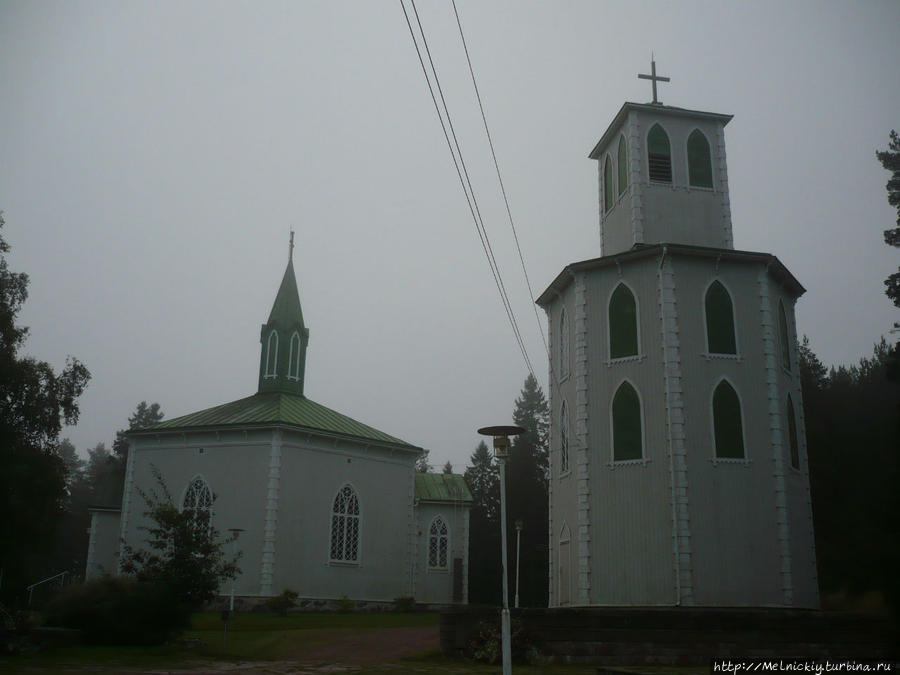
(659, 155)
(719, 320)
(563, 344)
(622, 165)
(272, 354)
(623, 328)
(345, 526)
(728, 429)
(609, 199)
(626, 424)
(792, 434)
(783, 337)
(198, 499)
(294, 364)
(564, 438)
(438, 544)
(699, 160)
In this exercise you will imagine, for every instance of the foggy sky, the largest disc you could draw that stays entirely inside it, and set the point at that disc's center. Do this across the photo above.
(153, 157)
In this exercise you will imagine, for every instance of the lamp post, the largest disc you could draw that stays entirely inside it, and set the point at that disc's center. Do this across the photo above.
(501, 436)
(518, 541)
(235, 532)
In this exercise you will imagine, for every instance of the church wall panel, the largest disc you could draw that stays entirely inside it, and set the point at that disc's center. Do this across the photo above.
(630, 502)
(236, 472)
(436, 585)
(735, 551)
(312, 472)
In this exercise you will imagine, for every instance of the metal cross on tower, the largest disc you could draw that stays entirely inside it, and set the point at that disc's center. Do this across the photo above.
(654, 78)
(291, 252)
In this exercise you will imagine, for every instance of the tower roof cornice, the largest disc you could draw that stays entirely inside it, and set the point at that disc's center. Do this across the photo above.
(657, 109)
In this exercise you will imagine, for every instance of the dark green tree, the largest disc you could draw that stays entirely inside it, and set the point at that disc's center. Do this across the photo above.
(35, 402)
(422, 465)
(526, 487)
(483, 479)
(448, 468)
(145, 415)
(183, 549)
(890, 160)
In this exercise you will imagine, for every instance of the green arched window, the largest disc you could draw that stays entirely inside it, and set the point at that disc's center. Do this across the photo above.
(659, 155)
(783, 337)
(792, 434)
(719, 320)
(623, 165)
(608, 192)
(699, 160)
(623, 328)
(727, 425)
(563, 344)
(272, 355)
(626, 424)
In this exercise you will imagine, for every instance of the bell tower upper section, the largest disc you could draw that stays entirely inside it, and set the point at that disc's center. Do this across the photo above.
(663, 178)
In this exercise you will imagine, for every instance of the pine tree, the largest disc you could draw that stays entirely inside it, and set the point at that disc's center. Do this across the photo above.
(526, 486)
(483, 479)
(890, 160)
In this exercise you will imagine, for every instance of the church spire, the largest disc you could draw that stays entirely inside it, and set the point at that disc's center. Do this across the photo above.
(284, 337)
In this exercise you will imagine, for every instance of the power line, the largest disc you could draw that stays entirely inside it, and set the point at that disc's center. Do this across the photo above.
(463, 175)
(503, 190)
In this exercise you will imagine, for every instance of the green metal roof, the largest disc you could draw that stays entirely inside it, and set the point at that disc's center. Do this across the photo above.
(273, 408)
(442, 487)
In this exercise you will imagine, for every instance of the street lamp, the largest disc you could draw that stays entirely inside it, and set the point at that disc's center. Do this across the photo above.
(518, 541)
(501, 436)
(235, 532)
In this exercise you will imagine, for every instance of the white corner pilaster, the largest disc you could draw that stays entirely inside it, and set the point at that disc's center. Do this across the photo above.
(270, 529)
(412, 539)
(551, 537)
(722, 186)
(776, 436)
(127, 496)
(682, 560)
(635, 175)
(582, 475)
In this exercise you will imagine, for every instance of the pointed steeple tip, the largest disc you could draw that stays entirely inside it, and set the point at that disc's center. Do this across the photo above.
(286, 308)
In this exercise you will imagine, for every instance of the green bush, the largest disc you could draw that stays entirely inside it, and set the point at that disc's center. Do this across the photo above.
(119, 611)
(345, 604)
(280, 604)
(485, 644)
(404, 604)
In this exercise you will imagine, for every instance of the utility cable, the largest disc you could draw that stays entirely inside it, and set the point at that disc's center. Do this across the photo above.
(503, 190)
(461, 171)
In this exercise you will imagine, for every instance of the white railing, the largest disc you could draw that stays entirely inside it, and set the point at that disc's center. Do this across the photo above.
(61, 576)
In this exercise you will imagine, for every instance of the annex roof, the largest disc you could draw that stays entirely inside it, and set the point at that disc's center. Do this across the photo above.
(277, 408)
(442, 487)
(670, 110)
(639, 252)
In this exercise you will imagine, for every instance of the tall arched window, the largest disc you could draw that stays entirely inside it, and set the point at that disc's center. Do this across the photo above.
(564, 438)
(622, 165)
(728, 429)
(719, 320)
(345, 526)
(659, 155)
(438, 544)
(199, 499)
(294, 363)
(608, 192)
(272, 354)
(563, 343)
(623, 328)
(783, 337)
(626, 424)
(792, 434)
(699, 160)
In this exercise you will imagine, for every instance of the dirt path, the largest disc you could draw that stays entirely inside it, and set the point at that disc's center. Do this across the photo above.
(357, 647)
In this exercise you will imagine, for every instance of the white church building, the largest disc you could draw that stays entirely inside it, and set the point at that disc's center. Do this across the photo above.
(679, 474)
(328, 506)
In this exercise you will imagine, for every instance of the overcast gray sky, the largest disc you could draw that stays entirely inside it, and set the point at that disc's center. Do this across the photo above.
(153, 157)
